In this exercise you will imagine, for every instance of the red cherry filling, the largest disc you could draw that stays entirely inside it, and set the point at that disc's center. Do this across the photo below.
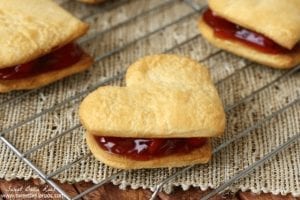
(230, 31)
(58, 59)
(146, 149)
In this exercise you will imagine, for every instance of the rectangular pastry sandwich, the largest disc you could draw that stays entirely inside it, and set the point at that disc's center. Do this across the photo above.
(265, 31)
(37, 44)
(164, 117)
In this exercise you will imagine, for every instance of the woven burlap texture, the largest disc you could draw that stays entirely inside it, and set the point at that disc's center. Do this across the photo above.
(121, 41)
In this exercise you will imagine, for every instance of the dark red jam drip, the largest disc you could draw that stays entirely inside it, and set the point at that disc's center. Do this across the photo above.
(230, 31)
(147, 149)
(56, 60)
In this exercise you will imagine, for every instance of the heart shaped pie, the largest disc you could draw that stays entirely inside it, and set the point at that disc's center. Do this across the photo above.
(37, 44)
(267, 32)
(162, 118)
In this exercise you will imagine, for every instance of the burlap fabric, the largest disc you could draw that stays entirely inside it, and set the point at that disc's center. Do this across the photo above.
(114, 49)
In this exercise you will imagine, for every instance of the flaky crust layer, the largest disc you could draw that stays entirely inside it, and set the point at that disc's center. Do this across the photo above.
(169, 71)
(200, 155)
(276, 19)
(280, 61)
(153, 108)
(32, 28)
(45, 78)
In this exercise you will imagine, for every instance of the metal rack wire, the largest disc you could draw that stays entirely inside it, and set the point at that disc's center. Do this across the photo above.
(197, 7)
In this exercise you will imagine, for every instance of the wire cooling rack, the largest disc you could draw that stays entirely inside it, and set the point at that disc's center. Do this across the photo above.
(92, 13)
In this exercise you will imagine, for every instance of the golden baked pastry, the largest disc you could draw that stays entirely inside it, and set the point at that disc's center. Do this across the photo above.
(166, 97)
(197, 156)
(178, 99)
(43, 79)
(276, 19)
(280, 61)
(29, 33)
(267, 32)
(155, 111)
(151, 69)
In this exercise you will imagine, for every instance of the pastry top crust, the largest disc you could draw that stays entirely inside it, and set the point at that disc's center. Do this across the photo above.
(276, 19)
(33, 28)
(169, 70)
(157, 110)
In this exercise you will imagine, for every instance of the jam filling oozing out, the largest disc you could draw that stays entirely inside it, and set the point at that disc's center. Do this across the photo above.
(147, 149)
(58, 59)
(228, 30)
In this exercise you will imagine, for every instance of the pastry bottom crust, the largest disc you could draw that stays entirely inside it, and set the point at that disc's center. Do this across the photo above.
(200, 155)
(45, 78)
(280, 61)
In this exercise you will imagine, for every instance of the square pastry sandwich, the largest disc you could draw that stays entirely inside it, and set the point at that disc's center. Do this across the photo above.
(265, 31)
(163, 117)
(37, 44)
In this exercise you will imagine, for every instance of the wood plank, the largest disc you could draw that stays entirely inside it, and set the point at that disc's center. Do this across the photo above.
(112, 192)
(32, 189)
(35, 189)
(192, 194)
(252, 196)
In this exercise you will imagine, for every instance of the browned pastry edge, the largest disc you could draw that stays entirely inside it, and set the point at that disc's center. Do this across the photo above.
(280, 61)
(45, 78)
(200, 155)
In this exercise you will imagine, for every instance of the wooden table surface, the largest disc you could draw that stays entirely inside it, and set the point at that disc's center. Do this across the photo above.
(34, 189)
